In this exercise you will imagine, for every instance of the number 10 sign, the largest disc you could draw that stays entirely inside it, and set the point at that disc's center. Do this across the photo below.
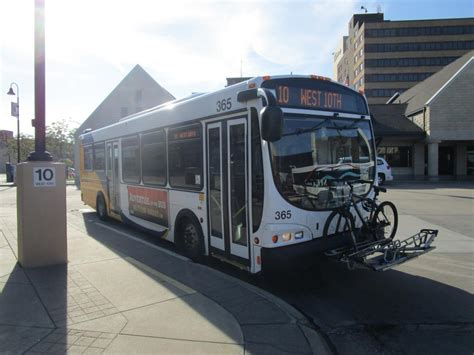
(44, 177)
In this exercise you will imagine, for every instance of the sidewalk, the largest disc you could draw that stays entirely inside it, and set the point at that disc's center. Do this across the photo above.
(4, 183)
(119, 295)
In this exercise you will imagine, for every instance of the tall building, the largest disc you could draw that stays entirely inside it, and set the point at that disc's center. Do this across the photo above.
(382, 57)
(337, 57)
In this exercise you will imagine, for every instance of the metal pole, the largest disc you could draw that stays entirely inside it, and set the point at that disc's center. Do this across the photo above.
(40, 153)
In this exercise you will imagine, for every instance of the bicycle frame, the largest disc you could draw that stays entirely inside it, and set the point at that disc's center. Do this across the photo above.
(357, 206)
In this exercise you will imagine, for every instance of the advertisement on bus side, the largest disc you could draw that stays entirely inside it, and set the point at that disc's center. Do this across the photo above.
(148, 204)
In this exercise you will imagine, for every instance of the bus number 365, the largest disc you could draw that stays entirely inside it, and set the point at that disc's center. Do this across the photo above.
(282, 214)
(223, 105)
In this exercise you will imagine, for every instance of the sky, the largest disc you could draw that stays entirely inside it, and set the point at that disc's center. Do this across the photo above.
(185, 45)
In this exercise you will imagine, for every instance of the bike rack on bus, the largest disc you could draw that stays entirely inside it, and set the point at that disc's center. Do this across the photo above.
(384, 254)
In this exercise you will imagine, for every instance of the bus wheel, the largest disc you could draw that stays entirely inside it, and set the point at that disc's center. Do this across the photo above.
(191, 240)
(101, 207)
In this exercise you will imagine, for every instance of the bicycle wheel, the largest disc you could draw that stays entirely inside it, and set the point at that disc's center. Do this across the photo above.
(339, 223)
(385, 220)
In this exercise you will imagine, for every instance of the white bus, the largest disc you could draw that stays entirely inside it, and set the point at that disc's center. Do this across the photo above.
(235, 173)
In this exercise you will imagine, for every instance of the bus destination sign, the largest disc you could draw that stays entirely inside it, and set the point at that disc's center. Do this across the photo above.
(309, 98)
(317, 95)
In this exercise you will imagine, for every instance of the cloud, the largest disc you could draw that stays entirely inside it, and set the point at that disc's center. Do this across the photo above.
(185, 45)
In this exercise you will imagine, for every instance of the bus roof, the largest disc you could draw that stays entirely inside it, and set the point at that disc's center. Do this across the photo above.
(192, 107)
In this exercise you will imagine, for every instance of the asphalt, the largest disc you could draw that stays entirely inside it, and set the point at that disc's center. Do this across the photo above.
(119, 294)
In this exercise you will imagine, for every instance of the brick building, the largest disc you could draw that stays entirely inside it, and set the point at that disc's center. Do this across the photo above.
(383, 57)
(428, 131)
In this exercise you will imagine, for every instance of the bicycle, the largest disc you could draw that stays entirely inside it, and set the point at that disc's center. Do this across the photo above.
(379, 223)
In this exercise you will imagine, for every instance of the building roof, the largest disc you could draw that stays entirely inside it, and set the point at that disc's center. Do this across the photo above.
(419, 95)
(236, 80)
(390, 121)
(137, 78)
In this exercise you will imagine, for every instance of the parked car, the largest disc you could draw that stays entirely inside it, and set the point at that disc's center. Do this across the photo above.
(384, 172)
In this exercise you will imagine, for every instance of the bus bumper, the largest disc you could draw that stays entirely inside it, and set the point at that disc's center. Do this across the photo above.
(301, 253)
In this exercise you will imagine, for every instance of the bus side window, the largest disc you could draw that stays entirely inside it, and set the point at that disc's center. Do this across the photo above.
(99, 156)
(154, 158)
(131, 159)
(88, 157)
(185, 157)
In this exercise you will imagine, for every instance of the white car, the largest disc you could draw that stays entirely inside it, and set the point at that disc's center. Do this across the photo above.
(384, 172)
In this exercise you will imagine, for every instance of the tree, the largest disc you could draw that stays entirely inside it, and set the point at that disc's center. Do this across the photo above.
(59, 142)
(27, 145)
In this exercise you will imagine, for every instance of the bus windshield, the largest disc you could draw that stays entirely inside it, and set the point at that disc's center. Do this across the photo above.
(317, 155)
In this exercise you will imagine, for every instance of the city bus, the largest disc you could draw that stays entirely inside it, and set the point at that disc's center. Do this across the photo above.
(239, 173)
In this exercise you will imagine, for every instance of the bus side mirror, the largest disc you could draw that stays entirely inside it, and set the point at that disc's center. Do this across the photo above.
(272, 123)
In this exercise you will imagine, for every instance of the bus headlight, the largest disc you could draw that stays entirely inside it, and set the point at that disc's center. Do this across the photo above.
(286, 236)
(299, 235)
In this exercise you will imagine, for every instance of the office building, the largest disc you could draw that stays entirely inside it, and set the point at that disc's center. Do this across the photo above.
(382, 57)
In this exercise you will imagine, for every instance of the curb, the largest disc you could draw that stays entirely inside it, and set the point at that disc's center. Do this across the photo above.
(317, 342)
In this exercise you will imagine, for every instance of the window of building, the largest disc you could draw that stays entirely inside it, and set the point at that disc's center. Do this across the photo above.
(421, 46)
(138, 95)
(88, 157)
(185, 157)
(131, 159)
(470, 160)
(382, 92)
(421, 31)
(99, 156)
(390, 77)
(409, 62)
(154, 158)
(399, 157)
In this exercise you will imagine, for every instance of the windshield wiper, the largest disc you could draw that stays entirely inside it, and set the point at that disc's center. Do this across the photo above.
(347, 127)
(299, 131)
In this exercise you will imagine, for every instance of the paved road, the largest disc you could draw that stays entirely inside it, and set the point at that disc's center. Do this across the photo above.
(424, 306)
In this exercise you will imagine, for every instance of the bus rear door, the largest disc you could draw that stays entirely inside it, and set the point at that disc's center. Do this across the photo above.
(112, 175)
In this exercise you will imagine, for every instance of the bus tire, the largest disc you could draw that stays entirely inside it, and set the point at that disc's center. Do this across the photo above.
(101, 207)
(190, 238)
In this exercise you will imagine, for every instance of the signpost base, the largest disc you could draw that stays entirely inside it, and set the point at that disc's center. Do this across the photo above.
(41, 213)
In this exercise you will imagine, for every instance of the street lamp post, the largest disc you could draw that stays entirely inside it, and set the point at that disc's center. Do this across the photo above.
(11, 92)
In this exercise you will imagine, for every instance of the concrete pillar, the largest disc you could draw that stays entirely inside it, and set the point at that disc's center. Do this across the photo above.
(433, 149)
(419, 161)
(461, 161)
(41, 213)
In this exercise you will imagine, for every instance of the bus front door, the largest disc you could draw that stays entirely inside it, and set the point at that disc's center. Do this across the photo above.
(113, 176)
(227, 189)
